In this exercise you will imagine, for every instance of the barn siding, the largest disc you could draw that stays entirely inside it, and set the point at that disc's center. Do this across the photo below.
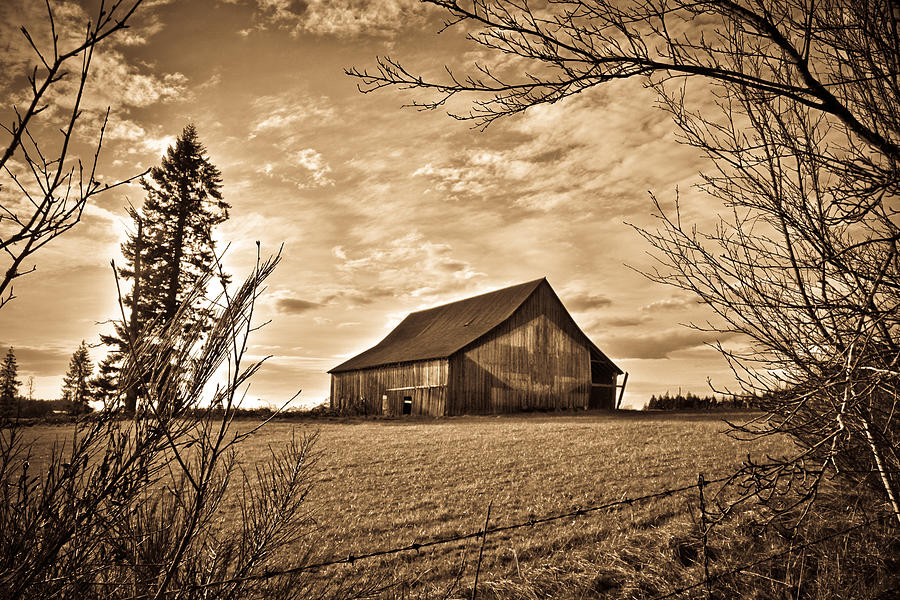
(537, 359)
(363, 390)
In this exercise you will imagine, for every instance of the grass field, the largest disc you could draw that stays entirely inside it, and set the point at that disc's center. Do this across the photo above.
(389, 483)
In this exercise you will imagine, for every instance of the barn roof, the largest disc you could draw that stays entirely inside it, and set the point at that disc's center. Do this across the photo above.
(441, 331)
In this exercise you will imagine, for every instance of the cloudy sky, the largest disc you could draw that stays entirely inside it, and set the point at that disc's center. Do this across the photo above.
(381, 210)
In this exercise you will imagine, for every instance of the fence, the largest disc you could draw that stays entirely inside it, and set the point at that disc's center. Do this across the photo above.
(576, 512)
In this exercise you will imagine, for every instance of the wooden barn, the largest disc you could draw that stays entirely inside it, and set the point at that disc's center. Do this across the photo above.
(509, 350)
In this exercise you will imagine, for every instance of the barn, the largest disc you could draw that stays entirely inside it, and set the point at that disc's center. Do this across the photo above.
(510, 350)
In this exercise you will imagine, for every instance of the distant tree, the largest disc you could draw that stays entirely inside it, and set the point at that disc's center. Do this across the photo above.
(104, 385)
(9, 385)
(171, 249)
(76, 384)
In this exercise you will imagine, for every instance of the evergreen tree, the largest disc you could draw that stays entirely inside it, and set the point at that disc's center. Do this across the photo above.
(183, 204)
(76, 384)
(105, 385)
(9, 385)
(171, 248)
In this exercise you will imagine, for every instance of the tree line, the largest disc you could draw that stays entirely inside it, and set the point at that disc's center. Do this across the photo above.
(691, 401)
(80, 387)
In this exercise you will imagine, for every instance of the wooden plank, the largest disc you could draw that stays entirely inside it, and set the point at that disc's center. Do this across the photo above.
(363, 390)
(622, 392)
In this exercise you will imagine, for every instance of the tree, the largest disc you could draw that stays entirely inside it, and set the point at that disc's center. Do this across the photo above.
(804, 262)
(9, 385)
(104, 385)
(184, 203)
(76, 383)
(171, 249)
(53, 187)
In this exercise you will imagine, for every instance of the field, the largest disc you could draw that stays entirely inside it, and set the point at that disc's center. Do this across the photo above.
(388, 483)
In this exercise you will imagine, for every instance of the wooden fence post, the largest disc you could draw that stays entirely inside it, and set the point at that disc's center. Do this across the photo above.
(704, 531)
(481, 551)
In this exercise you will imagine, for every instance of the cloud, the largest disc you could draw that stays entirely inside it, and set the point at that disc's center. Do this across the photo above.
(158, 145)
(280, 111)
(660, 344)
(480, 173)
(295, 306)
(381, 18)
(38, 361)
(410, 266)
(123, 129)
(585, 301)
(591, 157)
(18, 56)
(668, 304)
(312, 162)
(623, 321)
(359, 297)
(115, 82)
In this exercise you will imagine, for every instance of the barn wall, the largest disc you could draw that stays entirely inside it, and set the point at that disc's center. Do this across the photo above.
(537, 359)
(363, 390)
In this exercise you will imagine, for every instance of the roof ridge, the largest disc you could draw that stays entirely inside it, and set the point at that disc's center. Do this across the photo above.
(481, 295)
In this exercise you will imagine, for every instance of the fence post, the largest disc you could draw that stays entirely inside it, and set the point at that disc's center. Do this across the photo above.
(704, 531)
(481, 551)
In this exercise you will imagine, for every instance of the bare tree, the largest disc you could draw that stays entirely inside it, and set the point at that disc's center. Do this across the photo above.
(51, 187)
(806, 150)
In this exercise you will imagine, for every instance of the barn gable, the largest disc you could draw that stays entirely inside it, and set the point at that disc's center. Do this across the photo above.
(537, 359)
(513, 349)
(439, 332)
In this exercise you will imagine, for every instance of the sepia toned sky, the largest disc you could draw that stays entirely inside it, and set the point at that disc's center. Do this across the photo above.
(381, 210)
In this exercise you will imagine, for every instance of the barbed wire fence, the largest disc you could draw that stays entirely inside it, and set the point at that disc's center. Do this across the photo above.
(485, 531)
(701, 485)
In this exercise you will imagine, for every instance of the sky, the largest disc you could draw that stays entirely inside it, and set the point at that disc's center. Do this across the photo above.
(381, 210)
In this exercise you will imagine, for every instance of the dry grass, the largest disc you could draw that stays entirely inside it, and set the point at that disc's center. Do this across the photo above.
(391, 483)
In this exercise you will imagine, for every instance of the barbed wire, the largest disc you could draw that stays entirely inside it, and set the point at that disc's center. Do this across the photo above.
(351, 559)
(576, 512)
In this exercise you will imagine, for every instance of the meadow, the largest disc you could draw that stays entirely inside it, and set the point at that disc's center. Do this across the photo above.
(388, 483)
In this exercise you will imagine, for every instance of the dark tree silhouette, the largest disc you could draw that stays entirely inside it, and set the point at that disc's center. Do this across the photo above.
(9, 384)
(171, 249)
(184, 203)
(77, 381)
(105, 385)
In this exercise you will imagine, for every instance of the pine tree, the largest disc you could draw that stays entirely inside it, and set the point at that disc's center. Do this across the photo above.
(184, 203)
(9, 385)
(105, 385)
(171, 248)
(76, 384)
